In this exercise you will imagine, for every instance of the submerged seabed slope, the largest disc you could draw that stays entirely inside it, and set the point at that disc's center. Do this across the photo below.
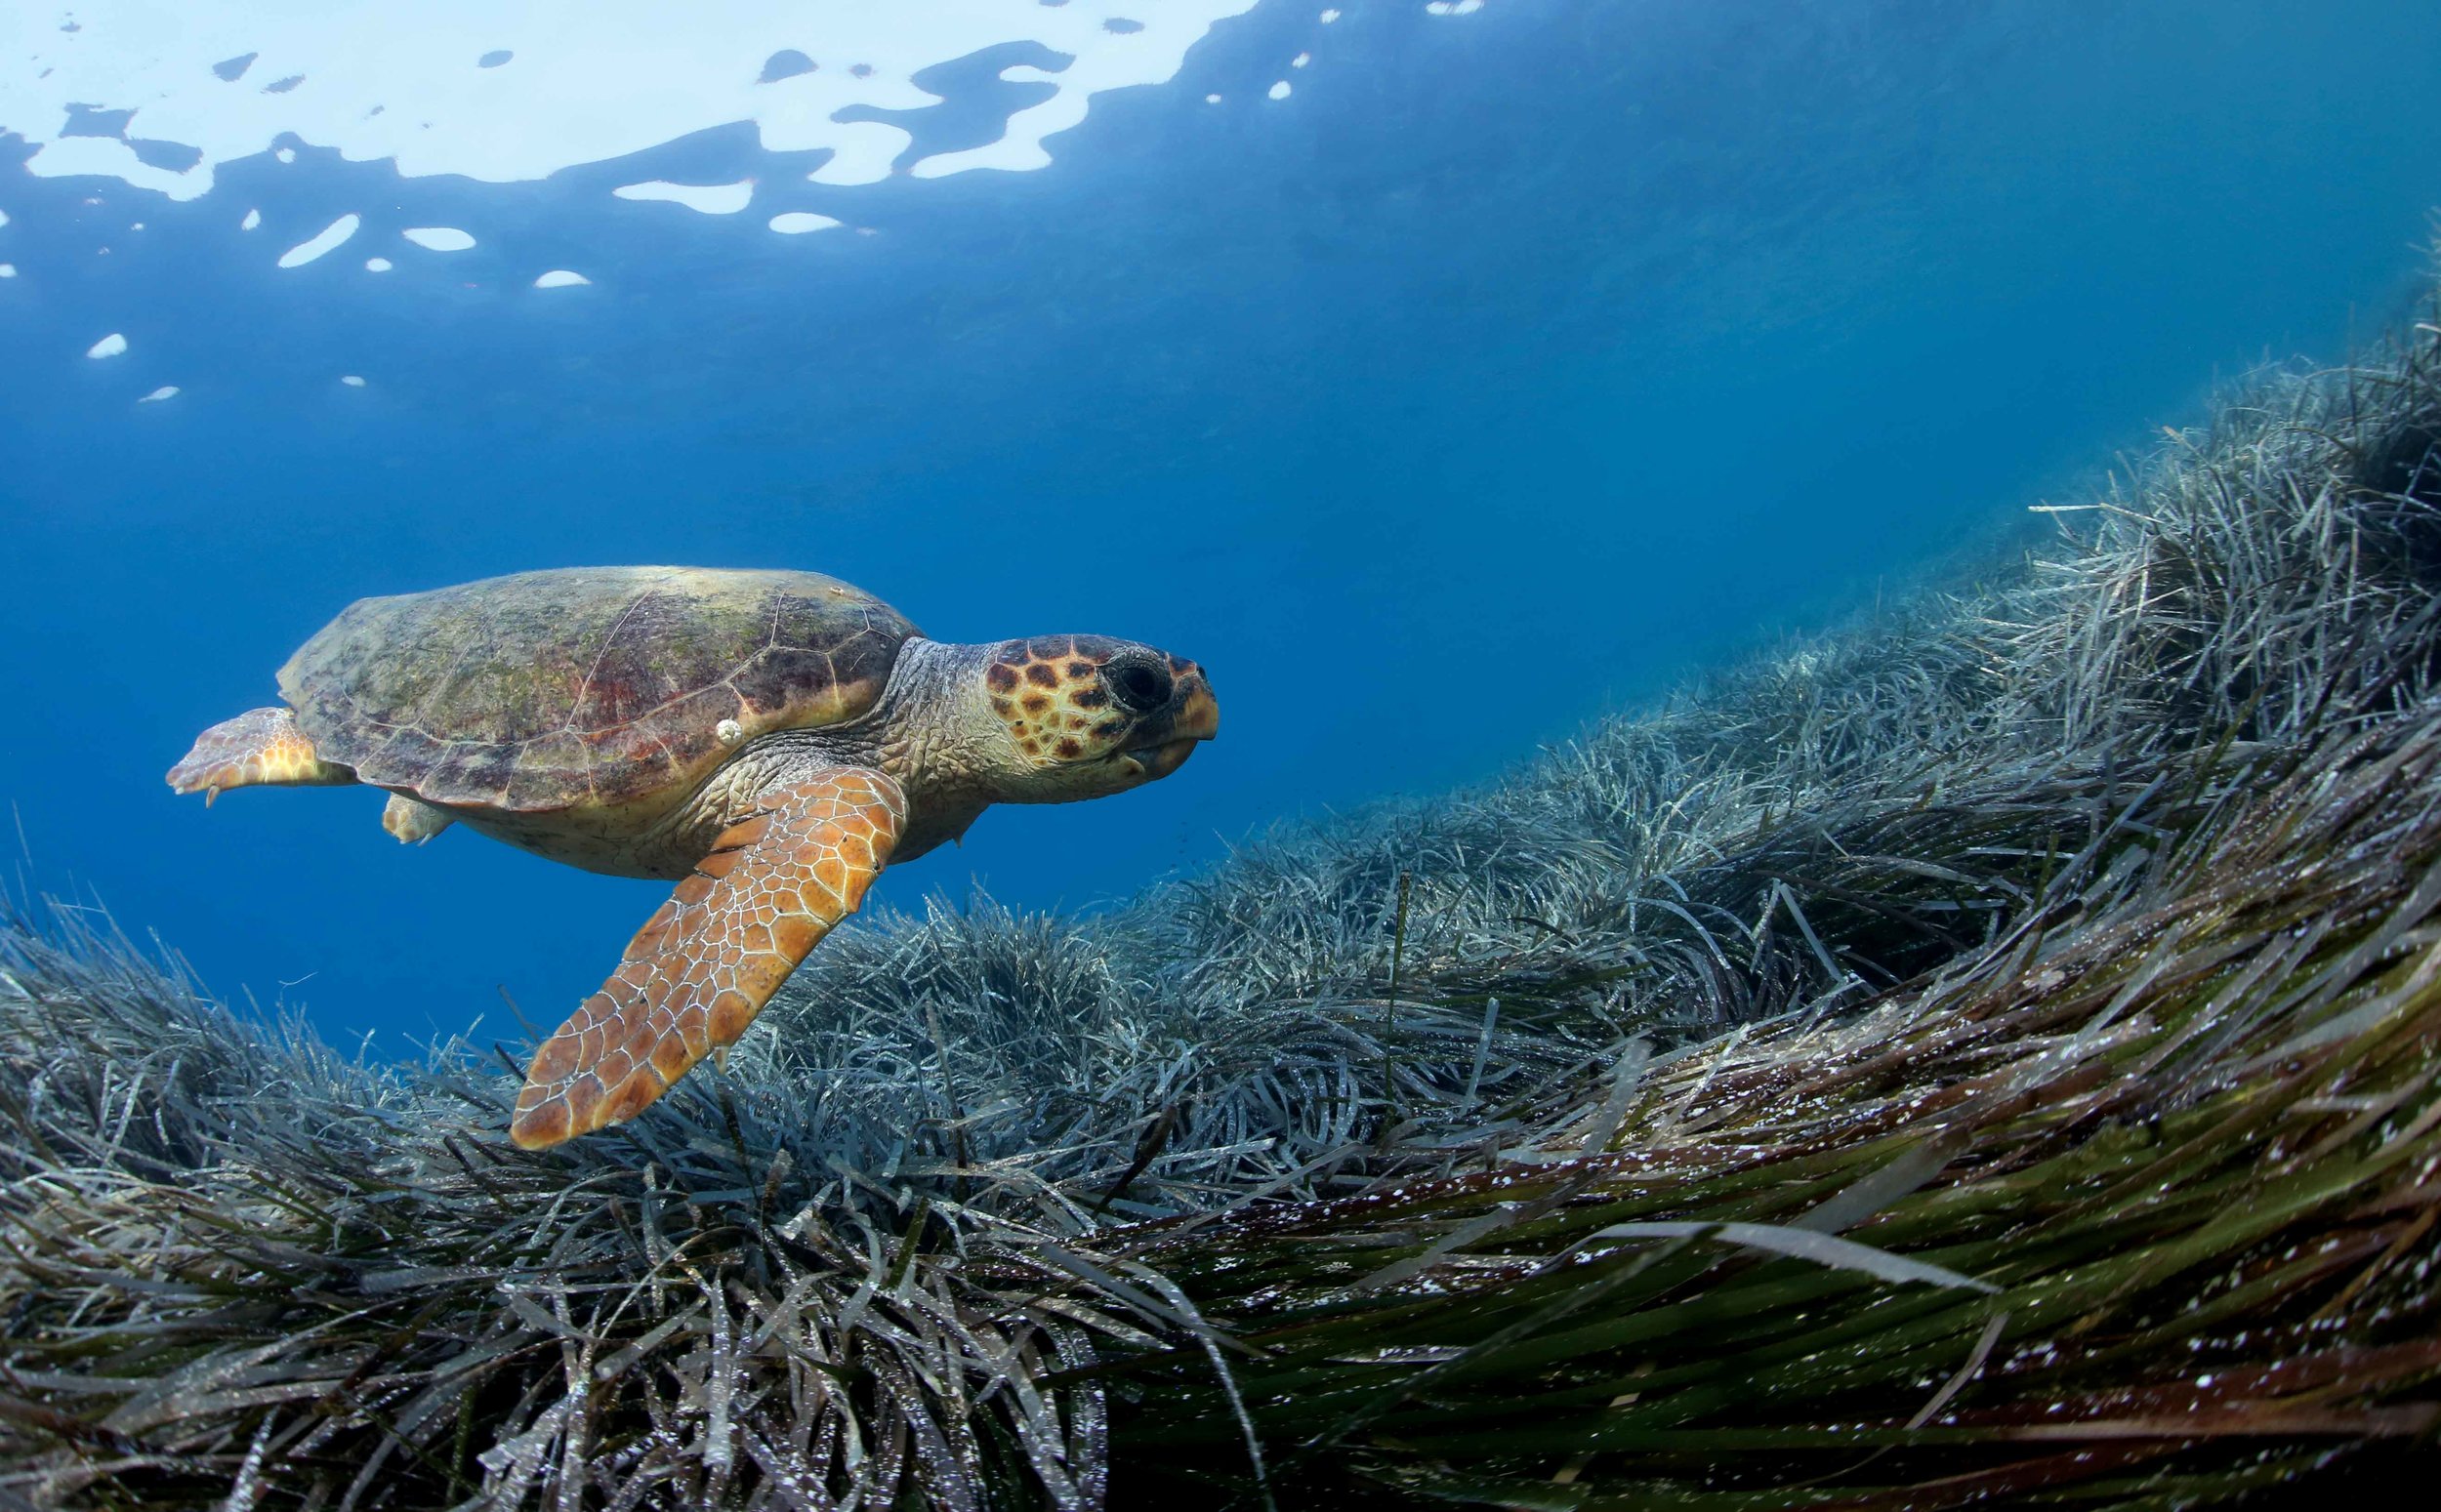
(1991, 1050)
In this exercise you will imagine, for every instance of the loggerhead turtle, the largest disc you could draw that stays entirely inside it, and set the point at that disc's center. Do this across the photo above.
(772, 739)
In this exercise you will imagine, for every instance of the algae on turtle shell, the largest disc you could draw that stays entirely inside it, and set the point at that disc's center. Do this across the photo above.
(1987, 1051)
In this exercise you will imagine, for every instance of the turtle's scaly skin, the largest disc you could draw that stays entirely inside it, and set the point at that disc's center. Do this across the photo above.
(1046, 690)
(702, 967)
(587, 686)
(259, 746)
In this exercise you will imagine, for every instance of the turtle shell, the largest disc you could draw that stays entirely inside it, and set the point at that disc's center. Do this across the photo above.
(585, 685)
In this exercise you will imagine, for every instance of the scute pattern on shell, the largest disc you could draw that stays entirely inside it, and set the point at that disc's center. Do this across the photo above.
(545, 690)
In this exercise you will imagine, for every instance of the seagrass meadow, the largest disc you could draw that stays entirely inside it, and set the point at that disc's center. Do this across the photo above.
(1990, 1051)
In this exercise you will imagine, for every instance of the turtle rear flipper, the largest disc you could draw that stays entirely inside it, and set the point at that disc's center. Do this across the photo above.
(412, 821)
(262, 747)
(703, 966)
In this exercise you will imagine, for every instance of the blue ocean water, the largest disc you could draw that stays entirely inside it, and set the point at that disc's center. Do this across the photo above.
(1513, 364)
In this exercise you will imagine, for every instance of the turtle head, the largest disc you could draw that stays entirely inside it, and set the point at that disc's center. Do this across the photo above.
(1080, 717)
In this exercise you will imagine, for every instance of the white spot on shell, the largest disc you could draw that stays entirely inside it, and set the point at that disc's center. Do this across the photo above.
(560, 278)
(729, 731)
(110, 346)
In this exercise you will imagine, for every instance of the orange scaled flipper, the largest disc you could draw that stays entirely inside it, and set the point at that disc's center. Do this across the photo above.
(260, 747)
(702, 967)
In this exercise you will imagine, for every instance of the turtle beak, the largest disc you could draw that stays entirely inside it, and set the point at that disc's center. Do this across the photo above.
(1195, 718)
(1198, 716)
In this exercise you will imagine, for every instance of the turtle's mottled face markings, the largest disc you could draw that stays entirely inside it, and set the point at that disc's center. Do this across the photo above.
(1087, 715)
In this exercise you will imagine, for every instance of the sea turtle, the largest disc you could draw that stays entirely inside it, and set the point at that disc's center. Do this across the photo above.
(772, 739)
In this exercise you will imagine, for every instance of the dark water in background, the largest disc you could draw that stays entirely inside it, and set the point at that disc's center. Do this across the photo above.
(1506, 371)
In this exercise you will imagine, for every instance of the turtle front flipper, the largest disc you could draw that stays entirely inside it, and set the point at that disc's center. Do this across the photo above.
(702, 967)
(260, 747)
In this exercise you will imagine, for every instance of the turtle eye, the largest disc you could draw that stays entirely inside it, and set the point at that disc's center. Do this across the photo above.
(1138, 687)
